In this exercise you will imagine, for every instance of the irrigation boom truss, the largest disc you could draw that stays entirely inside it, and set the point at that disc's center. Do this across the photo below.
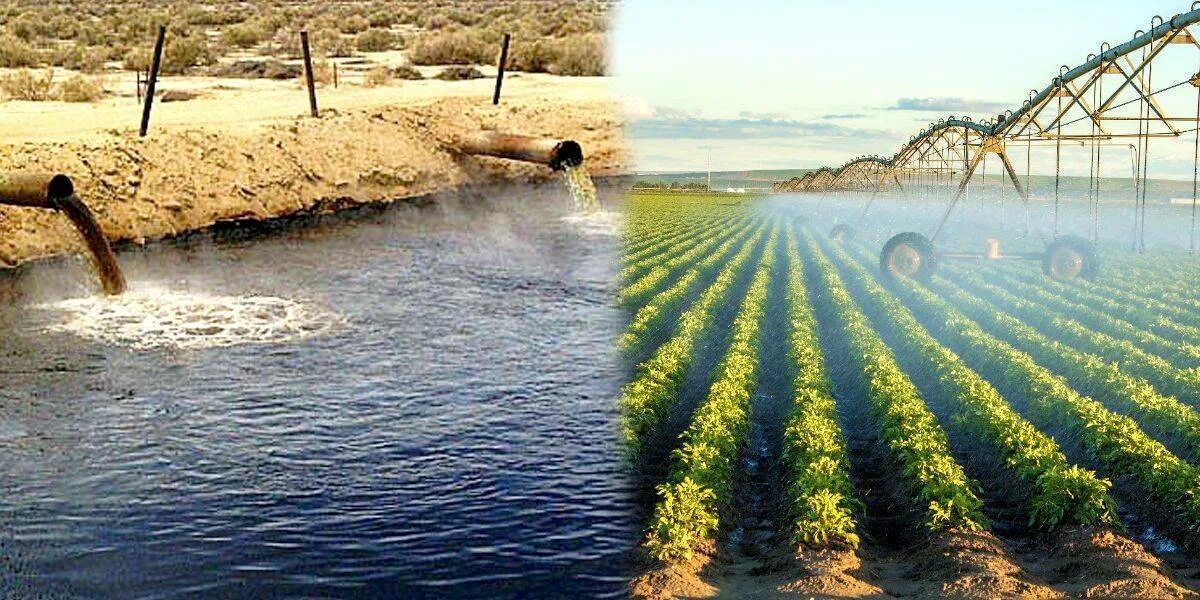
(1126, 96)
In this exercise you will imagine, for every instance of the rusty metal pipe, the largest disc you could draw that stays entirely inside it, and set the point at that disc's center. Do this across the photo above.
(57, 192)
(556, 154)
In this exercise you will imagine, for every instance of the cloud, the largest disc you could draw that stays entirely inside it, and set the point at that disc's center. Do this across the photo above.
(948, 105)
(742, 129)
(842, 116)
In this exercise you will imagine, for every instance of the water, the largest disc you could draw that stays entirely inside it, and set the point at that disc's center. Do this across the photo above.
(582, 190)
(447, 430)
(154, 317)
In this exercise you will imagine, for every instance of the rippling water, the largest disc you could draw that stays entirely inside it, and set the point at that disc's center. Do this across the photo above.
(452, 435)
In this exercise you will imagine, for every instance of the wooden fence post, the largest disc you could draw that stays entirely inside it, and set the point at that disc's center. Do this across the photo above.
(308, 73)
(155, 64)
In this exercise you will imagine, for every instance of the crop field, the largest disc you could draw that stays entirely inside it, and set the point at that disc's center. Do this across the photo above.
(804, 426)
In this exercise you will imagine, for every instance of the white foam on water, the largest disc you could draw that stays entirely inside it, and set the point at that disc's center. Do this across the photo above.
(601, 223)
(158, 318)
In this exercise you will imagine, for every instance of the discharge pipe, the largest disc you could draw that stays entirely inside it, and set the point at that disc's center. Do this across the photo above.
(556, 154)
(57, 192)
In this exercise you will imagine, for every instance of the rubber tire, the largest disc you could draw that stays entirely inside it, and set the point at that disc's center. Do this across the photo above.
(1084, 248)
(841, 233)
(920, 244)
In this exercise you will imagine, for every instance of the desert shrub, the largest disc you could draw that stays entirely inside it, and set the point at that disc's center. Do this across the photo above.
(354, 24)
(244, 35)
(459, 73)
(180, 54)
(28, 85)
(79, 88)
(377, 77)
(286, 44)
(330, 43)
(322, 72)
(80, 58)
(455, 47)
(15, 53)
(60, 27)
(25, 27)
(406, 72)
(576, 56)
(183, 53)
(382, 19)
(375, 40)
(580, 56)
(204, 15)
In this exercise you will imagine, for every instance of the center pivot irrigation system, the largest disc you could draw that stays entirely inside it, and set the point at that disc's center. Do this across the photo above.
(1121, 98)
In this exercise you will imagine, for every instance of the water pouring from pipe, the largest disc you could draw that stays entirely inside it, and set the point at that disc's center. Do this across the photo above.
(560, 155)
(57, 192)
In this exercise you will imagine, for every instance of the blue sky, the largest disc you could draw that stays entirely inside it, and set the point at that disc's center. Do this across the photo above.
(771, 84)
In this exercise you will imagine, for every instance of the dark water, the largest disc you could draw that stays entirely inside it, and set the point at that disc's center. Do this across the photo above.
(454, 437)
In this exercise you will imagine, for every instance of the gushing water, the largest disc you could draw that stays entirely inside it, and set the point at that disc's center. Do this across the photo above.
(583, 191)
(587, 215)
(148, 319)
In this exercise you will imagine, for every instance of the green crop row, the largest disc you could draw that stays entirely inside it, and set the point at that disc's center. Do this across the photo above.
(1061, 494)
(647, 285)
(1182, 383)
(822, 501)
(698, 489)
(1114, 441)
(1185, 356)
(650, 316)
(1091, 374)
(645, 400)
(672, 247)
(913, 437)
(1146, 315)
(646, 235)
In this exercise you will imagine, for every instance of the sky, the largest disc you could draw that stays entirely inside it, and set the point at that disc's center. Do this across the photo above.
(758, 84)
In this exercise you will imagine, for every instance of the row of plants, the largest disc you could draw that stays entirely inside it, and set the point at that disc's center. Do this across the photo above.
(1060, 493)
(677, 253)
(649, 318)
(913, 438)
(637, 292)
(697, 490)
(1146, 315)
(1149, 296)
(1114, 441)
(1184, 356)
(1165, 377)
(1089, 374)
(821, 497)
(655, 385)
(644, 239)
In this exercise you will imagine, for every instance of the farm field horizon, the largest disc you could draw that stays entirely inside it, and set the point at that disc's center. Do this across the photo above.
(801, 424)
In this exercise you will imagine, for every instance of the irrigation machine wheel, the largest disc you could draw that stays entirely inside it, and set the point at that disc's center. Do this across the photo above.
(841, 233)
(909, 254)
(1068, 257)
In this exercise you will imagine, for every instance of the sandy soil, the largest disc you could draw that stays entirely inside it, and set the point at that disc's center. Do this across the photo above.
(244, 150)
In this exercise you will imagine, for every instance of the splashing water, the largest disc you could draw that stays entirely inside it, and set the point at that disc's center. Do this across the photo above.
(149, 319)
(583, 191)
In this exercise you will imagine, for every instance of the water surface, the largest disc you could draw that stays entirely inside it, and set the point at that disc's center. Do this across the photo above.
(452, 434)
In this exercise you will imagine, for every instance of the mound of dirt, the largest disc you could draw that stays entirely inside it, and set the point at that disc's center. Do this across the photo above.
(1099, 563)
(179, 180)
(976, 564)
(258, 69)
(459, 74)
